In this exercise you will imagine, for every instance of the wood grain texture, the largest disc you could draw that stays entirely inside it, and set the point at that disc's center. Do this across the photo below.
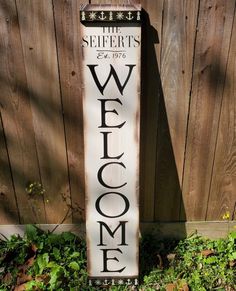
(151, 90)
(212, 47)
(223, 188)
(154, 9)
(67, 23)
(177, 49)
(181, 230)
(179, 30)
(17, 120)
(40, 55)
(8, 203)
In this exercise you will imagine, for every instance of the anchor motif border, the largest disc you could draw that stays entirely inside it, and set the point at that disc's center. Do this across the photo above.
(104, 282)
(110, 16)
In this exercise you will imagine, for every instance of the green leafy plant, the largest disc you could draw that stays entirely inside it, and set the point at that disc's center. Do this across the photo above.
(48, 261)
(43, 261)
(197, 264)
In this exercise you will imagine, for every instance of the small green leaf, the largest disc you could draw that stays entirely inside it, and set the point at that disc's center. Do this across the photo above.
(233, 234)
(55, 274)
(34, 285)
(52, 265)
(56, 253)
(232, 256)
(68, 236)
(75, 266)
(42, 262)
(55, 239)
(210, 260)
(31, 232)
(75, 255)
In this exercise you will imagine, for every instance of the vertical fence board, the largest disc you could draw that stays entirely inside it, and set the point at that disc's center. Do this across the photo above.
(154, 10)
(69, 56)
(151, 34)
(39, 47)
(179, 29)
(223, 188)
(8, 204)
(177, 46)
(16, 116)
(212, 46)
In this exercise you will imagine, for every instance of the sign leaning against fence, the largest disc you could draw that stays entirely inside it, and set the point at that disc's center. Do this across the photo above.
(111, 45)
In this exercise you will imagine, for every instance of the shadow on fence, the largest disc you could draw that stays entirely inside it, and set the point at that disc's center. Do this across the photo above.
(158, 167)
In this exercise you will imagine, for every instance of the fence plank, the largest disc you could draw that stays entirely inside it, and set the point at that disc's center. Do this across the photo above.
(150, 79)
(212, 46)
(179, 30)
(154, 9)
(223, 188)
(39, 47)
(67, 23)
(179, 26)
(17, 118)
(8, 205)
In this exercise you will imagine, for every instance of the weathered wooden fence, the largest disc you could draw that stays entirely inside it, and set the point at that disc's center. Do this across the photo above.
(188, 119)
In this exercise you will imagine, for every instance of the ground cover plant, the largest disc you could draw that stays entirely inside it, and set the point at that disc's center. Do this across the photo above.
(195, 263)
(47, 261)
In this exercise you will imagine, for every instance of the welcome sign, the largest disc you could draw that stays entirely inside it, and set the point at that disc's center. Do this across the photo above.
(111, 44)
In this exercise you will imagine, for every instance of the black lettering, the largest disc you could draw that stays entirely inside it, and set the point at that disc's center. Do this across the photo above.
(121, 41)
(105, 148)
(105, 39)
(112, 233)
(100, 177)
(137, 40)
(85, 42)
(93, 42)
(106, 259)
(113, 41)
(97, 204)
(112, 73)
(104, 111)
(129, 37)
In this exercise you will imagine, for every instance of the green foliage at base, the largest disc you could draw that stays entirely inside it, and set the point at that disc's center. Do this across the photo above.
(47, 261)
(43, 261)
(196, 264)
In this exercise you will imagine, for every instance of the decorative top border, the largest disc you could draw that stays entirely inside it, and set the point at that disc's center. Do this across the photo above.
(110, 16)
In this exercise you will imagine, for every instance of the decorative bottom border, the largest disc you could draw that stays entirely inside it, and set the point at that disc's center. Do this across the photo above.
(103, 282)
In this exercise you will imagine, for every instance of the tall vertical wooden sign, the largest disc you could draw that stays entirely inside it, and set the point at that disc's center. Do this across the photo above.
(111, 43)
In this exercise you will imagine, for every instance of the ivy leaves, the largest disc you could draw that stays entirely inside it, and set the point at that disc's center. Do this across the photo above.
(43, 261)
(198, 264)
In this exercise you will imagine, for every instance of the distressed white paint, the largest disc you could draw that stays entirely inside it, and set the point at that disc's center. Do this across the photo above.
(119, 49)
